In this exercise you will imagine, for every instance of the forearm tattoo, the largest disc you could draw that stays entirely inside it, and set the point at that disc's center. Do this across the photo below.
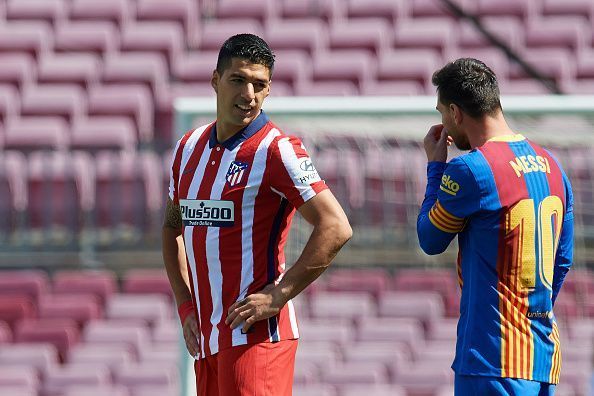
(172, 215)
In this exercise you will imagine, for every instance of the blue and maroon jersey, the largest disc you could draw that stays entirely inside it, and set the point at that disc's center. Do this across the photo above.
(511, 205)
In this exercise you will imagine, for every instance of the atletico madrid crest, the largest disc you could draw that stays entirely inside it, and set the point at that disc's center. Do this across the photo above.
(235, 173)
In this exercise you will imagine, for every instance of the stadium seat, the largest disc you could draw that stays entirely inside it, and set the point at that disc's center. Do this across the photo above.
(14, 308)
(150, 308)
(425, 306)
(165, 38)
(432, 33)
(402, 330)
(27, 134)
(103, 133)
(430, 8)
(233, 9)
(34, 38)
(389, 9)
(79, 308)
(41, 356)
(339, 332)
(166, 332)
(166, 354)
(314, 390)
(508, 30)
(77, 68)
(143, 281)
(9, 106)
(443, 329)
(417, 65)
(424, 380)
(557, 32)
(522, 9)
(394, 354)
(111, 356)
(99, 283)
(326, 88)
(329, 11)
(30, 283)
(306, 373)
(60, 189)
(184, 12)
(392, 88)
(356, 373)
(73, 375)
(214, 33)
(18, 69)
(196, 67)
(146, 68)
(375, 390)
(96, 390)
(370, 34)
(52, 11)
(292, 67)
(322, 354)
(13, 190)
(19, 377)
(63, 333)
(133, 336)
(553, 63)
(148, 375)
(116, 11)
(309, 35)
(349, 305)
(569, 7)
(5, 333)
(64, 100)
(355, 66)
(98, 37)
(373, 281)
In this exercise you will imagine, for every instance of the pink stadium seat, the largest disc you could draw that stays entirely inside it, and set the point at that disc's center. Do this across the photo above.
(104, 132)
(322, 354)
(79, 308)
(585, 65)
(149, 308)
(424, 306)
(339, 332)
(432, 8)
(404, 330)
(232, 9)
(214, 33)
(99, 283)
(64, 183)
(443, 329)
(371, 34)
(118, 11)
(552, 62)
(63, 333)
(356, 373)
(143, 281)
(9, 104)
(15, 308)
(52, 11)
(73, 375)
(509, 30)
(128, 192)
(309, 34)
(148, 375)
(567, 308)
(36, 133)
(42, 357)
(30, 37)
(424, 380)
(417, 65)
(18, 391)
(567, 7)
(151, 390)
(196, 67)
(133, 101)
(65, 100)
(5, 334)
(560, 31)
(30, 283)
(436, 352)
(306, 373)
(375, 390)
(166, 332)
(184, 12)
(370, 280)
(18, 69)
(111, 356)
(81, 69)
(577, 376)
(165, 38)
(331, 10)
(389, 9)
(432, 33)
(314, 390)
(132, 336)
(342, 305)
(392, 88)
(393, 354)
(326, 88)
(522, 9)
(292, 67)
(98, 37)
(96, 390)
(19, 376)
(426, 280)
(525, 86)
(343, 65)
(149, 69)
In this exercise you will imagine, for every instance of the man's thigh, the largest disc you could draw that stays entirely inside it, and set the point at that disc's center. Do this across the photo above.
(468, 385)
(264, 369)
(207, 381)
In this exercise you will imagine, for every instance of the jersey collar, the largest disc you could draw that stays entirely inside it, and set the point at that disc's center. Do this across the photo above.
(507, 138)
(242, 135)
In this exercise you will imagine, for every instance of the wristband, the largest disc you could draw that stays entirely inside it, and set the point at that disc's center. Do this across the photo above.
(185, 309)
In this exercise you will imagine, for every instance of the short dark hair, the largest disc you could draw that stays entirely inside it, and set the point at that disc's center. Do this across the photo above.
(470, 84)
(245, 46)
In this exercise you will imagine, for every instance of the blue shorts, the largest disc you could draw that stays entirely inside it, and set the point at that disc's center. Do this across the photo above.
(472, 385)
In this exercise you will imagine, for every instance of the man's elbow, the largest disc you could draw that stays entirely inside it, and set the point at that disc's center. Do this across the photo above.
(430, 247)
(342, 231)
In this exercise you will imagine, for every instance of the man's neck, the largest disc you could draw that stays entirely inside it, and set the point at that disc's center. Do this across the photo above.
(226, 131)
(488, 128)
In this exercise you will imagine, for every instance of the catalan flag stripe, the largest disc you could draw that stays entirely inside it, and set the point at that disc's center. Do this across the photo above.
(445, 221)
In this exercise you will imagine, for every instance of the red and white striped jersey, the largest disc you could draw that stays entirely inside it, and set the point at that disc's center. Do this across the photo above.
(237, 201)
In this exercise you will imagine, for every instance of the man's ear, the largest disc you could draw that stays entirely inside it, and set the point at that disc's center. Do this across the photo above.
(214, 80)
(457, 114)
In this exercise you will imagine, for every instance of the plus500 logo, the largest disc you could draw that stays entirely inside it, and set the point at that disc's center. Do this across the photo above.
(211, 213)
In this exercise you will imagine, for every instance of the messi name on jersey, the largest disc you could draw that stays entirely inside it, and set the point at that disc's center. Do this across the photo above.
(207, 213)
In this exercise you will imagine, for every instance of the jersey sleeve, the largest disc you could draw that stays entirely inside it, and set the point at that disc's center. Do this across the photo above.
(292, 173)
(452, 195)
(564, 256)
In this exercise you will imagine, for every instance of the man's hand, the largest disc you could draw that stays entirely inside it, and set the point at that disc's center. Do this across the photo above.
(191, 334)
(436, 143)
(255, 307)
